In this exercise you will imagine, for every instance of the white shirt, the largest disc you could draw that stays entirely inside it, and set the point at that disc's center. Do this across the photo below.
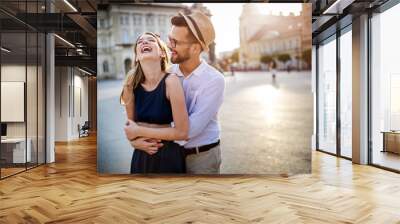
(204, 93)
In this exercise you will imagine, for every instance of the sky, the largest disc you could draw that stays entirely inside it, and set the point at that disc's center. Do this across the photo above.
(225, 17)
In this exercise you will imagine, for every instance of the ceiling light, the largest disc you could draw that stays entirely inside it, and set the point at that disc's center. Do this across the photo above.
(70, 5)
(338, 6)
(65, 41)
(5, 49)
(79, 51)
(86, 72)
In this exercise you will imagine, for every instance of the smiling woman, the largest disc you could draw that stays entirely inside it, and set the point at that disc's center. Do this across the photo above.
(136, 76)
(153, 96)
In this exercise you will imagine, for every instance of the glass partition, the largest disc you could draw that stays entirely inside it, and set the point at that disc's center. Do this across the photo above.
(22, 89)
(327, 96)
(13, 103)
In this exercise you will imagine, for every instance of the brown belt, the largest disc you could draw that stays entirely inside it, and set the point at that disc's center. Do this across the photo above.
(197, 150)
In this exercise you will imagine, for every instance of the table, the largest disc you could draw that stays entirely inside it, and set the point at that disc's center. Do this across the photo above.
(15, 148)
(391, 141)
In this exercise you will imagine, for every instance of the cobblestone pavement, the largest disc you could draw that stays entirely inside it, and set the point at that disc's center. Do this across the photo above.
(266, 125)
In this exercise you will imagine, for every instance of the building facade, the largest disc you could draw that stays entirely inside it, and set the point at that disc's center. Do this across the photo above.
(118, 28)
(272, 35)
(120, 25)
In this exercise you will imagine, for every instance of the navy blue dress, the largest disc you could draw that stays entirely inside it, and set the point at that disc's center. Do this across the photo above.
(155, 108)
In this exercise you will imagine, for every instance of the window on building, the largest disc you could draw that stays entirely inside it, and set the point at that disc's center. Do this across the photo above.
(103, 42)
(162, 20)
(102, 23)
(126, 17)
(125, 36)
(137, 19)
(105, 67)
(124, 20)
(149, 20)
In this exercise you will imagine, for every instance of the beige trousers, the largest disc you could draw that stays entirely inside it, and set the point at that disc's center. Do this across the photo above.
(207, 162)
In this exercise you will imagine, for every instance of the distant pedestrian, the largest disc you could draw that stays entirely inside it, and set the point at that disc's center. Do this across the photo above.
(272, 66)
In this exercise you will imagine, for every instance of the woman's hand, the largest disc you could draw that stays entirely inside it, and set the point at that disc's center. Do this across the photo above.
(150, 146)
(132, 130)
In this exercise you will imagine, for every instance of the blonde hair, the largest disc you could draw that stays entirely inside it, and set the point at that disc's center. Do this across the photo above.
(135, 76)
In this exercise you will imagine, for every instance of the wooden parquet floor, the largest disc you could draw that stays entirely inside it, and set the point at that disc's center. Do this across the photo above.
(70, 191)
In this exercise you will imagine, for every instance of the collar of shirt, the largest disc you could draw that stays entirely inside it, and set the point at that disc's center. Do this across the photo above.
(195, 72)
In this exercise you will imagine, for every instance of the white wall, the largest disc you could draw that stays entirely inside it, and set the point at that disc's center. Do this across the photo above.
(62, 80)
(80, 83)
(70, 83)
(50, 96)
(12, 73)
(17, 73)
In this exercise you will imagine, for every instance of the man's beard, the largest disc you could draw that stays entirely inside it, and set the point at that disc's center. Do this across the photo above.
(178, 59)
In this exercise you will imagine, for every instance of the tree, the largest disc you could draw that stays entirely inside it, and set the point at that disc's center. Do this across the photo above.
(266, 59)
(306, 56)
(284, 57)
(235, 56)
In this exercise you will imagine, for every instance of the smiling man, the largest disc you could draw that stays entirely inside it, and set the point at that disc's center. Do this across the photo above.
(203, 86)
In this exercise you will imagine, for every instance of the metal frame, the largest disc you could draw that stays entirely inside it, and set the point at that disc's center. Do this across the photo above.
(0, 92)
(37, 92)
(45, 88)
(44, 75)
(339, 32)
(369, 90)
(316, 97)
(338, 98)
(26, 88)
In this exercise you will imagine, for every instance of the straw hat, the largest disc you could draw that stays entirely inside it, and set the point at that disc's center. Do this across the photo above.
(201, 27)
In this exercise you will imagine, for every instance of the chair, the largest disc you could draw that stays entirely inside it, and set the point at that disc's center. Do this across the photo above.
(84, 130)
